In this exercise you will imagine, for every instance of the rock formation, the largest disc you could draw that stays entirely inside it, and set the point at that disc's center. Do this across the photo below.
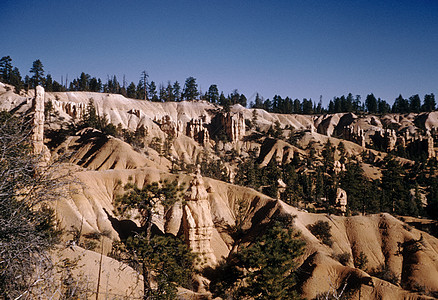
(196, 130)
(341, 200)
(234, 125)
(169, 126)
(197, 221)
(338, 167)
(74, 110)
(38, 125)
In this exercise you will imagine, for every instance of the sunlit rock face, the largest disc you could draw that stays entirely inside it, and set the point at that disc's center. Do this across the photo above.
(234, 125)
(197, 221)
(38, 125)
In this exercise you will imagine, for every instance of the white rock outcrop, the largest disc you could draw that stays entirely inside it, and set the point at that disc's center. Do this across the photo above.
(38, 125)
(341, 199)
(197, 220)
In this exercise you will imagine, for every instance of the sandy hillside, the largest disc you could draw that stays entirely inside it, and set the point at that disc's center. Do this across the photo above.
(103, 164)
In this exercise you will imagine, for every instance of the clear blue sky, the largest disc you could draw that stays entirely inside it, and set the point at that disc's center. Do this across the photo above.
(300, 49)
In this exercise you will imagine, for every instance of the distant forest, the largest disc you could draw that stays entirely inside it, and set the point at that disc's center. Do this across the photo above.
(148, 90)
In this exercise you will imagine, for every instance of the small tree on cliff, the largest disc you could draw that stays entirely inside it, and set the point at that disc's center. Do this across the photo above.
(165, 260)
(265, 269)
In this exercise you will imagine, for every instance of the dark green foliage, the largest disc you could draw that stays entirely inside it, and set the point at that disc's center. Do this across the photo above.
(163, 259)
(371, 103)
(190, 89)
(414, 103)
(294, 190)
(5, 69)
(248, 172)
(385, 273)
(269, 178)
(429, 102)
(321, 229)
(343, 258)
(263, 270)
(176, 91)
(362, 193)
(38, 73)
(145, 199)
(214, 169)
(87, 83)
(360, 261)
(152, 93)
(328, 154)
(131, 91)
(213, 94)
(93, 120)
(432, 198)
(135, 139)
(167, 259)
(400, 105)
(395, 193)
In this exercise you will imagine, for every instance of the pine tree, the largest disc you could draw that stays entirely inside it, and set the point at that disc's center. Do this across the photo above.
(5, 69)
(266, 268)
(152, 93)
(163, 259)
(429, 103)
(38, 73)
(16, 80)
(190, 89)
(213, 94)
(371, 103)
(177, 91)
(131, 91)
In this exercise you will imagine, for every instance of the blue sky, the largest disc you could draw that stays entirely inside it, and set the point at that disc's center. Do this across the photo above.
(300, 49)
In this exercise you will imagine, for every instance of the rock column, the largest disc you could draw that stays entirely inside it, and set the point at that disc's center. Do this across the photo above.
(197, 220)
(38, 121)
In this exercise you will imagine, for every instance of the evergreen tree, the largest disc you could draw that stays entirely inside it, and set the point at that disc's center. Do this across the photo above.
(95, 85)
(5, 69)
(16, 80)
(400, 105)
(162, 93)
(234, 97)
(131, 91)
(265, 269)
(190, 91)
(48, 83)
(307, 106)
(143, 86)
(371, 104)
(152, 93)
(396, 198)
(242, 100)
(177, 91)
(163, 259)
(169, 92)
(213, 94)
(38, 73)
(297, 106)
(140, 92)
(83, 82)
(414, 104)
(429, 103)
(258, 101)
(383, 107)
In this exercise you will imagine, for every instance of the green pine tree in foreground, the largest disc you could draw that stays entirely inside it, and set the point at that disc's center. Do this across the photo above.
(265, 269)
